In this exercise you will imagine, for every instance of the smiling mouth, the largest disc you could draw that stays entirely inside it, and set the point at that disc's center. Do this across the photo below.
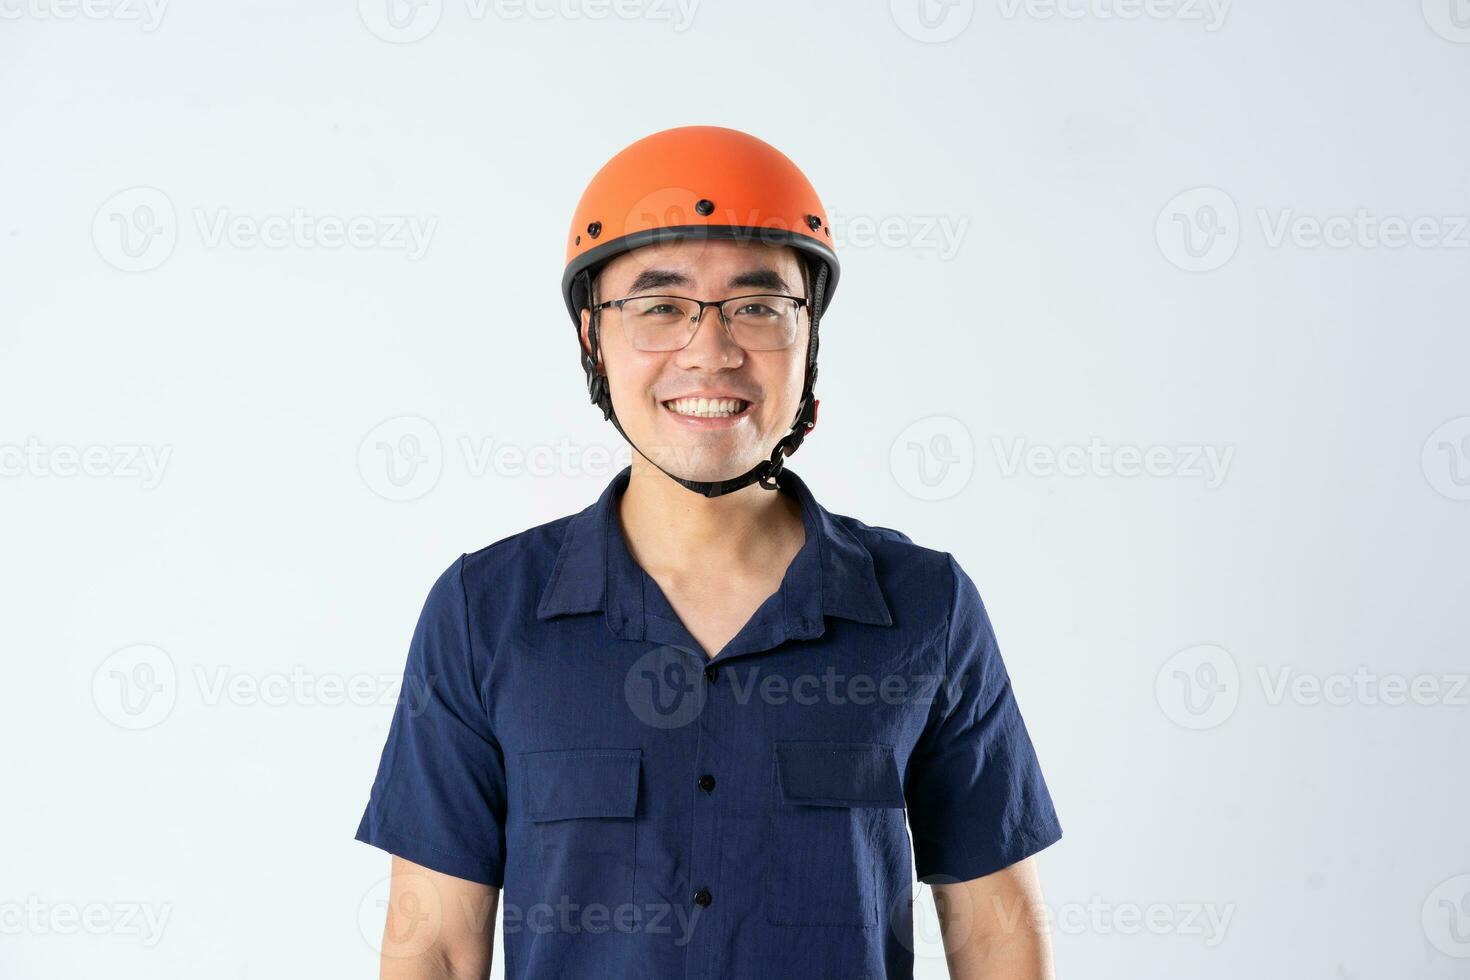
(707, 408)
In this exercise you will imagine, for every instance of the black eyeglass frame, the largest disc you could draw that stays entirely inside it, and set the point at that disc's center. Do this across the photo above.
(698, 317)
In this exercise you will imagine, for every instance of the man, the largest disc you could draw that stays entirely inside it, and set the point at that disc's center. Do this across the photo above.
(682, 729)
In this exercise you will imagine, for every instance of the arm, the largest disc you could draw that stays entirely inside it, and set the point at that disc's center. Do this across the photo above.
(438, 927)
(979, 808)
(438, 801)
(995, 927)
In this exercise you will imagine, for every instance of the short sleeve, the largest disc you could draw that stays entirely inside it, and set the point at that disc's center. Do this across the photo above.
(439, 796)
(976, 798)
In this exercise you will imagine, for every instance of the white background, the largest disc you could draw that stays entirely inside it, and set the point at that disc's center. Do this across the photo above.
(261, 566)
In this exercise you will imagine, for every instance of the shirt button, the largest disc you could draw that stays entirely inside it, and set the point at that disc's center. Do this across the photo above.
(711, 672)
(703, 897)
(707, 783)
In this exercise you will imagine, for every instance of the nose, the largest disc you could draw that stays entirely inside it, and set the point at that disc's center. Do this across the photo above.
(711, 347)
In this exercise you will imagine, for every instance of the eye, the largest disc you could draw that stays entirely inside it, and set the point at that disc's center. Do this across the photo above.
(654, 308)
(755, 310)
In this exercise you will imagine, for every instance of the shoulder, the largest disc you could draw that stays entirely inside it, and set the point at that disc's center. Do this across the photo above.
(921, 584)
(518, 564)
(505, 574)
(894, 551)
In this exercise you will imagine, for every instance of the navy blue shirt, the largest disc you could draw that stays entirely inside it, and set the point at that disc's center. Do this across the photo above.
(649, 811)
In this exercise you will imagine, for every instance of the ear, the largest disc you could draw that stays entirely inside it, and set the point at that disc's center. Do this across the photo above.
(586, 340)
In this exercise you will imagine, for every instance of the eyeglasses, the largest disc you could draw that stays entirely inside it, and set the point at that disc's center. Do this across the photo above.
(763, 321)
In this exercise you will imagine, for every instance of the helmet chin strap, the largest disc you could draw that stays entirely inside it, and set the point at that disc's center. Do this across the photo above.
(767, 471)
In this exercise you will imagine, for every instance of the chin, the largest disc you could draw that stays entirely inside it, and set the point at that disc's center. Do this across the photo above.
(695, 464)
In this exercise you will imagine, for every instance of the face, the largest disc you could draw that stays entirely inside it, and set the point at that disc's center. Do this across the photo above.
(649, 388)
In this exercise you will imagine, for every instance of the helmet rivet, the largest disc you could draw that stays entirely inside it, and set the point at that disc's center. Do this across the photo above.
(813, 222)
(594, 229)
(704, 206)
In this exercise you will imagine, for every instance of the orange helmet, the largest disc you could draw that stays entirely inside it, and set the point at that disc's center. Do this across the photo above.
(700, 182)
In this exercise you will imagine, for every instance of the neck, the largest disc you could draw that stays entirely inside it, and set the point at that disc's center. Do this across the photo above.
(669, 527)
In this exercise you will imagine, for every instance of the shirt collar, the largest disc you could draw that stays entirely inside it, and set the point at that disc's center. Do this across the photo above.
(832, 574)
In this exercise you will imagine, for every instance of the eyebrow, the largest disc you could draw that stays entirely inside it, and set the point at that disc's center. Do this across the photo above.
(752, 278)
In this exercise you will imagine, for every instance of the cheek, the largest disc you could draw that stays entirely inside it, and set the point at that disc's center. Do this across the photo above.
(783, 380)
(631, 374)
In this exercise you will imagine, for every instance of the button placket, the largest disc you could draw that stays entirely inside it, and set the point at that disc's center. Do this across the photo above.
(704, 871)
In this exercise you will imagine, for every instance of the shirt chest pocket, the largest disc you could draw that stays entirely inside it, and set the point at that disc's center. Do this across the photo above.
(837, 833)
(584, 803)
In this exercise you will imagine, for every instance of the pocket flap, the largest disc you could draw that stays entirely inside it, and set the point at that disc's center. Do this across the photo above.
(566, 784)
(838, 774)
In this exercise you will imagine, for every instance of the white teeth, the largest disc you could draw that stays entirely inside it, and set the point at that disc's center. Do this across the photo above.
(710, 408)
